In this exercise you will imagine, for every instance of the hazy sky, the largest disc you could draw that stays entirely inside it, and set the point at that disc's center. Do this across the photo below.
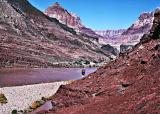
(103, 14)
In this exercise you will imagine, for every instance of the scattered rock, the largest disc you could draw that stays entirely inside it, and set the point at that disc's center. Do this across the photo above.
(157, 57)
(126, 84)
(157, 47)
(143, 62)
(141, 47)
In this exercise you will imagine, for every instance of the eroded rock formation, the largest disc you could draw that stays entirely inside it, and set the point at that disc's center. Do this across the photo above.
(71, 20)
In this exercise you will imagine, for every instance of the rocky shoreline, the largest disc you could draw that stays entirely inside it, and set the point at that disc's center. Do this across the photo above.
(21, 97)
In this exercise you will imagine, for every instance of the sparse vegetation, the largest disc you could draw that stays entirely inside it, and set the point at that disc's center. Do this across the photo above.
(14, 112)
(37, 104)
(81, 62)
(3, 99)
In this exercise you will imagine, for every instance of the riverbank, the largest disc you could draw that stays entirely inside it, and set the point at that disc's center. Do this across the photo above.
(21, 97)
(74, 64)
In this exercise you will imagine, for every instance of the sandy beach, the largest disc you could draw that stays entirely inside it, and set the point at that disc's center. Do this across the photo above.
(21, 97)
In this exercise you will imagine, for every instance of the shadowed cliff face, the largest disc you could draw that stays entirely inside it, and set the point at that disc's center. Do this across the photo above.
(128, 85)
(155, 29)
(31, 39)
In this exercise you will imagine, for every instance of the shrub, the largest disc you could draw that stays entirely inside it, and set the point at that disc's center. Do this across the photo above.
(14, 112)
(37, 104)
(3, 99)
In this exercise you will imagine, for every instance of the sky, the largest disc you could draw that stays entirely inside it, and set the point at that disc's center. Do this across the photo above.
(103, 14)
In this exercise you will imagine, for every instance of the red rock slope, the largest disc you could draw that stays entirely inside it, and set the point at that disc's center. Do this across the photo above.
(128, 85)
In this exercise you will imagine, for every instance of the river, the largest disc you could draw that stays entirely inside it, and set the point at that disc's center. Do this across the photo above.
(19, 76)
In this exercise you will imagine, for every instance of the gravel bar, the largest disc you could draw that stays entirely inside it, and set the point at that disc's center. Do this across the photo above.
(21, 97)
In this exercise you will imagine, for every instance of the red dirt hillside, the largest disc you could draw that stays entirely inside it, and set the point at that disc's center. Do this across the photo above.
(128, 85)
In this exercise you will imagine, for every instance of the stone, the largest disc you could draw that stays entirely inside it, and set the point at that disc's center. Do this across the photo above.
(157, 47)
(143, 62)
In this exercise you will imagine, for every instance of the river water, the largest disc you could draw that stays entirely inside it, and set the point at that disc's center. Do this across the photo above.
(19, 77)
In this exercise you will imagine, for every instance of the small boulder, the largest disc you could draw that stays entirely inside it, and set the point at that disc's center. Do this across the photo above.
(157, 47)
(126, 84)
(143, 62)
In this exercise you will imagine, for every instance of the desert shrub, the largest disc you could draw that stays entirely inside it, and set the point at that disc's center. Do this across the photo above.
(3, 99)
(14, 112)
(87, 62)
(37, 104)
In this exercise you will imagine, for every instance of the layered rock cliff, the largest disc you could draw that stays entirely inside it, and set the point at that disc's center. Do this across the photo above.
(61, 14)
(110, 33)
(142, 25)
(31, 39)
(130, 36)
(117, 38)
(128, 85)
(70, 19)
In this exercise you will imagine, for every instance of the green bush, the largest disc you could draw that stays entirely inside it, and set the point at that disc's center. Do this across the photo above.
(87, 62)
(14, 112)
